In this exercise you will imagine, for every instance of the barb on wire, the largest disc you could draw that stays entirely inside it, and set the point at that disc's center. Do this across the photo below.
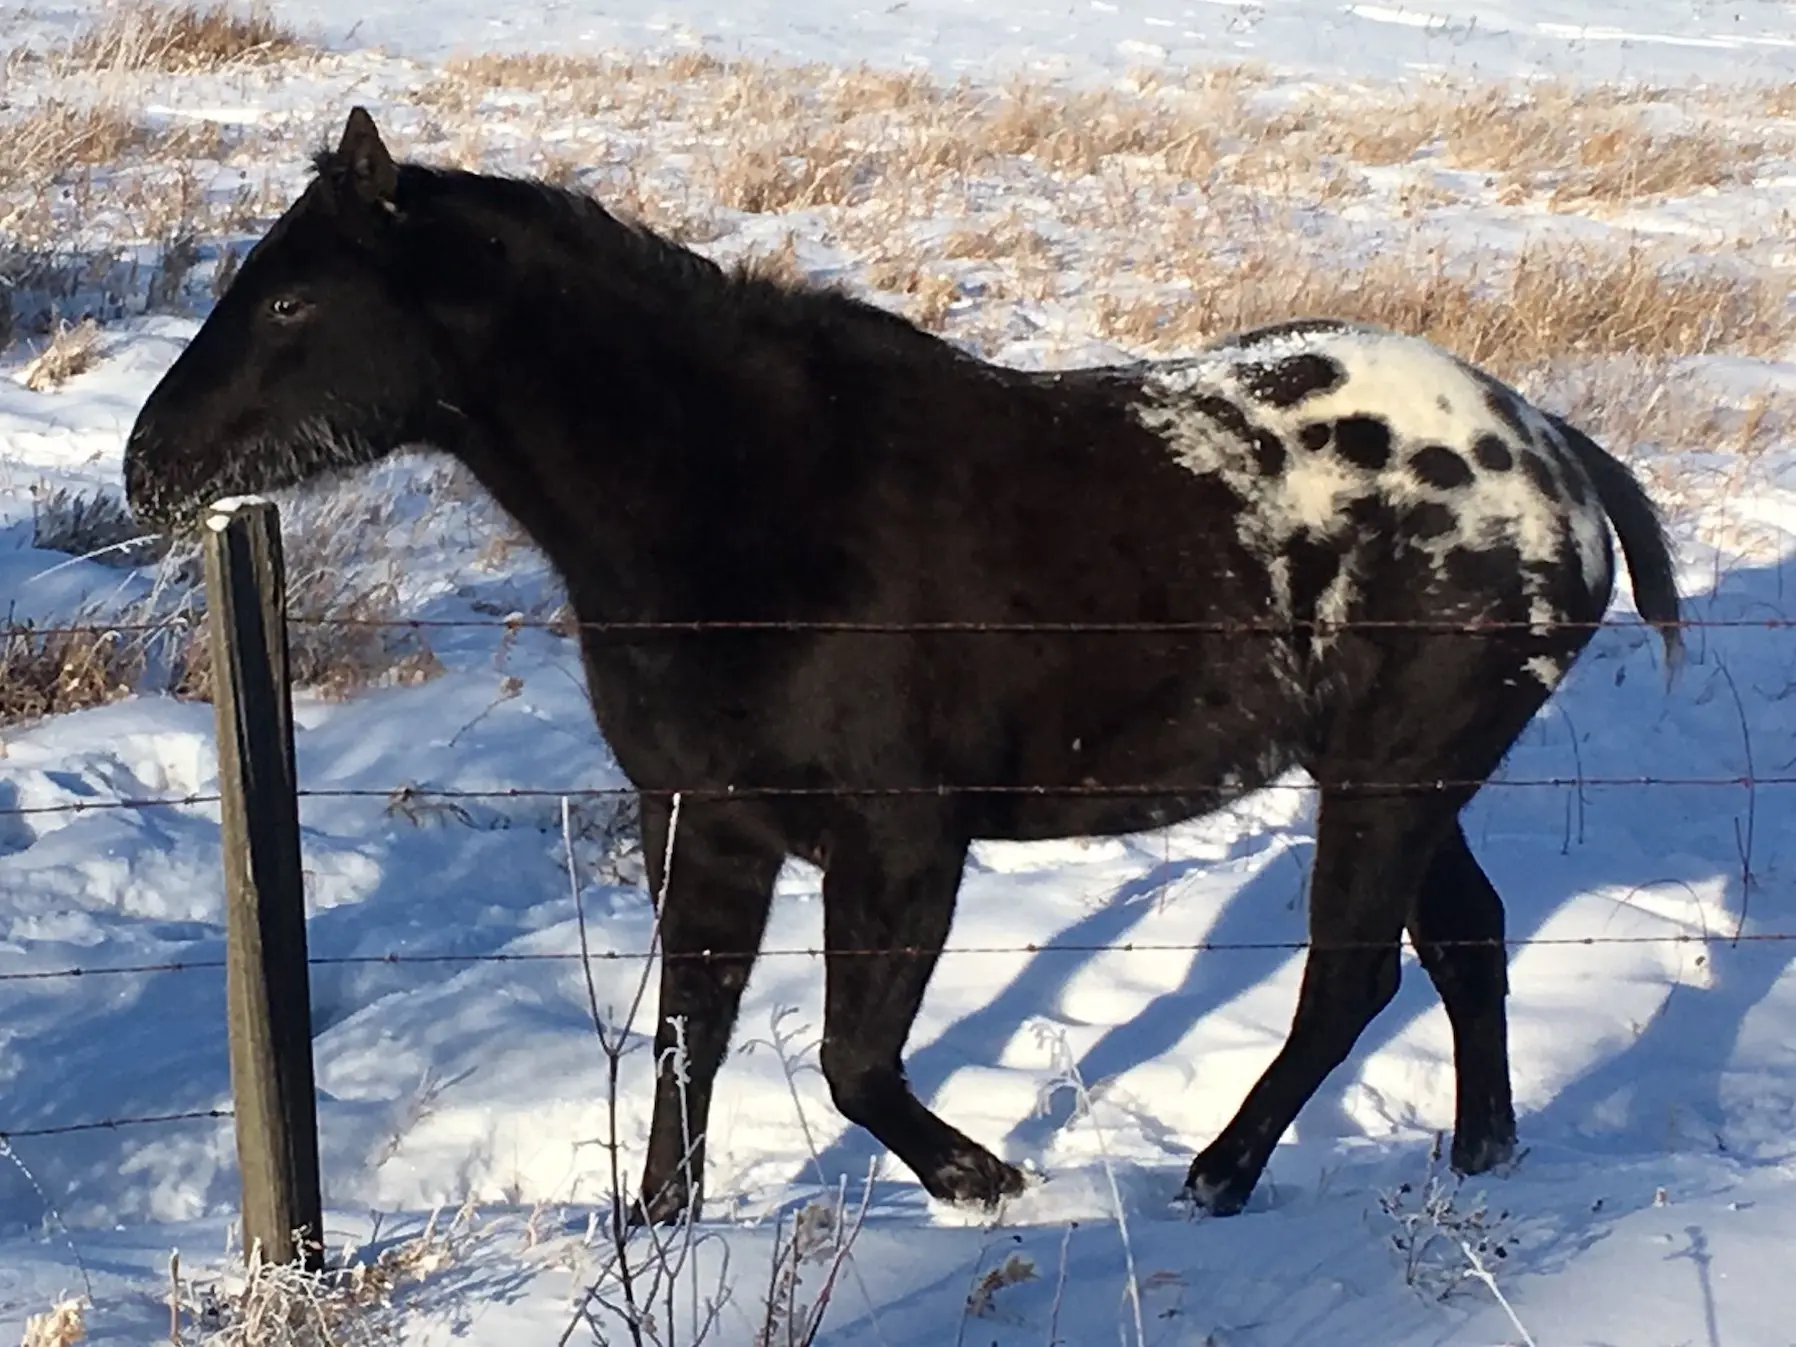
(113, 1124)
(12, 631)
(115, 970)
(97, 806)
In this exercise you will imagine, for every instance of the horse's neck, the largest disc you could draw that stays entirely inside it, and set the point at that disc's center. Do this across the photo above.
(593, 458)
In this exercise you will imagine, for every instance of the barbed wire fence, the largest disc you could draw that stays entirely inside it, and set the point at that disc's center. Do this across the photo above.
(254, 598)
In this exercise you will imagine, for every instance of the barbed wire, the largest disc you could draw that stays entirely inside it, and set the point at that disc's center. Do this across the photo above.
(94, 806)
(114, 1124)
(113, 970)
(413, 794)
(564, 625)
(1031, 948)
(1153, 790)
(567, 625)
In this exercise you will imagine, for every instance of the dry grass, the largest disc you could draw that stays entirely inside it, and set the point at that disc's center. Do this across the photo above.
(1574, 144)
(778, 264)
(818, 135)
(62, 1325)
(345, 629)
(535, 72)
(764, 177)
(1653, 404)
(54, 137)
(926, 295)
(55, 140)
(82, 525)
(346, 632)
(1075, 131)
(1548, 301)
(357, 1305)
(47, 673)
(181, 39)
(73, 350)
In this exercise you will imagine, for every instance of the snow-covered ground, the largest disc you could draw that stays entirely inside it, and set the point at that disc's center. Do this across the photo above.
(1655, 1067)
(1670, 39)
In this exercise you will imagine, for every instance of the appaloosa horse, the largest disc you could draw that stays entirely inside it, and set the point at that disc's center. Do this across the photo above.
(1315, 545)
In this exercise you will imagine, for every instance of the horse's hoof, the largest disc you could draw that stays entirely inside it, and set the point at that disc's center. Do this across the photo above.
(1482, 1154)
(669, 1206)
(975, 1177)
(1220, 1195)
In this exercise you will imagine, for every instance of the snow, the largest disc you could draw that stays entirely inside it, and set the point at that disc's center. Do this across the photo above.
(1654, 1055)
(955, 36)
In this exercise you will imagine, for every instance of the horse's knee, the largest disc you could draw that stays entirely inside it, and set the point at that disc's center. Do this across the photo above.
(860, 1085)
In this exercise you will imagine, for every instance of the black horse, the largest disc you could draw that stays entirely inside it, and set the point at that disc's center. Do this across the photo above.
(1317, 545)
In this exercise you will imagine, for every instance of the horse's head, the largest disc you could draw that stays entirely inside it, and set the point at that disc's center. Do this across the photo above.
(318, 357)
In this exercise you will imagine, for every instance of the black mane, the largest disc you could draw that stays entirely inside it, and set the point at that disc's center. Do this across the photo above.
(607, 243)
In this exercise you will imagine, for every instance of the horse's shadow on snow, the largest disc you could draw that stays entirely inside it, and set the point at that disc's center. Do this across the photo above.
(1671, 1075)
(982, 1035)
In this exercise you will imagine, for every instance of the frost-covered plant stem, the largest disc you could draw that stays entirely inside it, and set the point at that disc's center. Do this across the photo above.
(1067, 1072)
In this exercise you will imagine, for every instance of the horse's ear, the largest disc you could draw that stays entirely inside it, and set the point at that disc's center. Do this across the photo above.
(368, 169)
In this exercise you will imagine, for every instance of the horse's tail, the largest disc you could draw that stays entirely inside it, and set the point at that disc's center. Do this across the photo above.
(1642, 533)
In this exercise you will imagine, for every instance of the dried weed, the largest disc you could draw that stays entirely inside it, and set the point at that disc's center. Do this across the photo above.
(47, 672)
(62, 1325)
(1548, 301)
(357, 1305)
(53, 138)
(134, 35)
(73, 350)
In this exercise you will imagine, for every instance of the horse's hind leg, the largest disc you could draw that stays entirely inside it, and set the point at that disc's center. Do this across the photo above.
(717, 897)
(1457, 927)
(889, 890)
(1438, 718)
(1370, 856)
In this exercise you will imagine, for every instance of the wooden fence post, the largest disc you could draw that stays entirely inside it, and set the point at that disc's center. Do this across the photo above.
(267, 985)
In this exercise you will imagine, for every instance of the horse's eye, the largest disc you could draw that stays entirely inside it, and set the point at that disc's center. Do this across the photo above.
(286, 306)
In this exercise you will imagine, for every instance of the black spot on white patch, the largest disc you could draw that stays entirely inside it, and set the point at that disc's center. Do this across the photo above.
(1492, 454)
(1430, 519)
(1541, 474)
(1574, 486)
(1268, 452)
(1315, 436)
(1225, 414)
(1503, 406)
(1483, 567)
(1285, 383)
(1314, 564)
(1439, 467)
(1369, 515)
(1364, 441)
